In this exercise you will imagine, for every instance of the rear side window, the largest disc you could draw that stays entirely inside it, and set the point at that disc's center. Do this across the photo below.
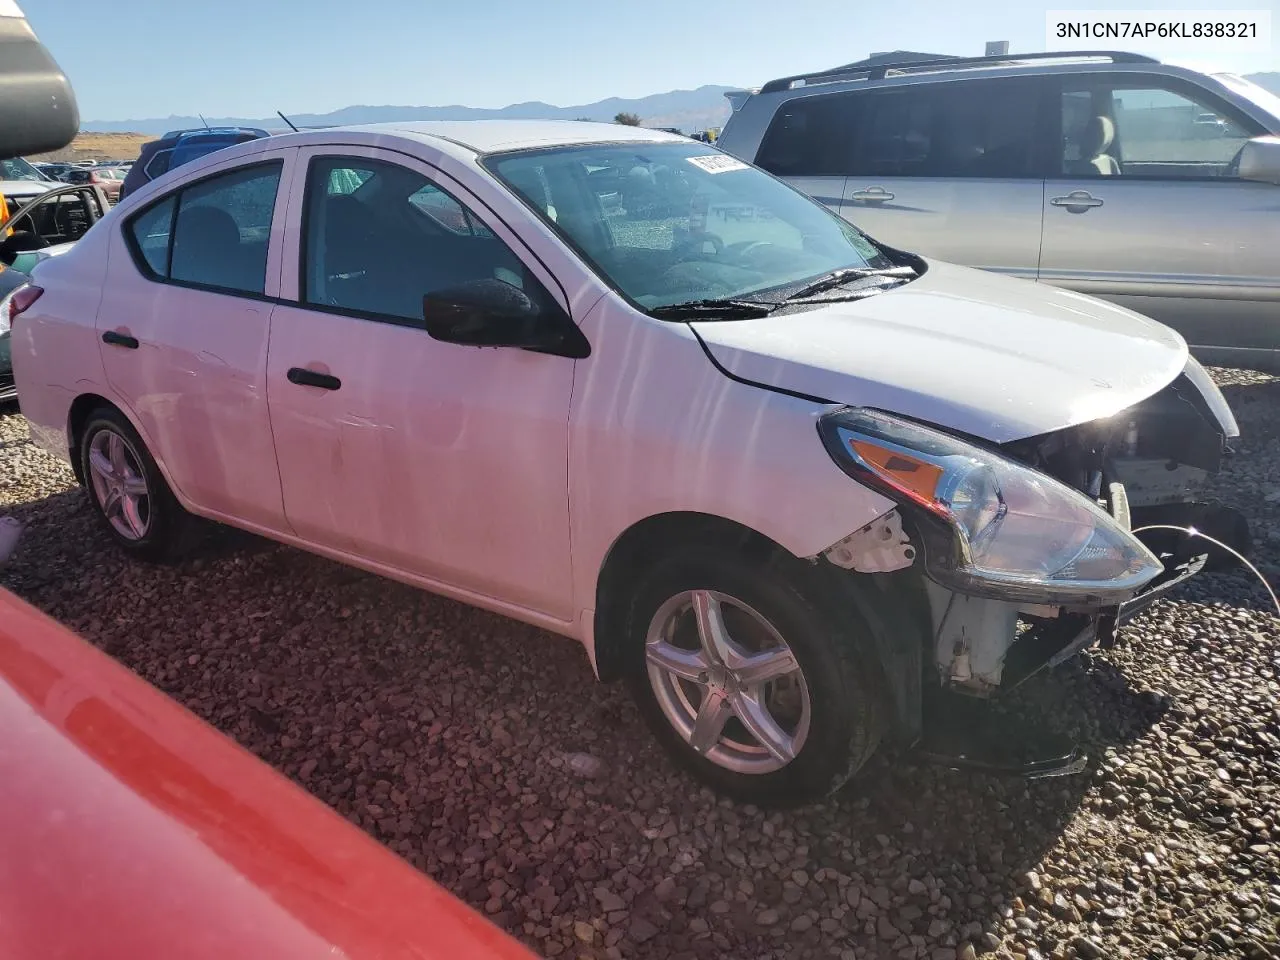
(150, 232)
(213, 233)
(810, 137)
(962, 128)
(158, 165)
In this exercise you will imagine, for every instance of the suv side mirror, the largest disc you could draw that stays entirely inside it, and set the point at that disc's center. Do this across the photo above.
(493, 313)
(1260, 160)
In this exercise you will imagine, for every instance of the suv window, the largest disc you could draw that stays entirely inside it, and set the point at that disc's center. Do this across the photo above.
(379, 236)
(809, 137)
(1118, 127)
(958, 128)
(961, 128)
(220, 234)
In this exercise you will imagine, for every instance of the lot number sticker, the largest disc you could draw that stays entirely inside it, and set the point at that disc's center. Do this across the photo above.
(717, 163)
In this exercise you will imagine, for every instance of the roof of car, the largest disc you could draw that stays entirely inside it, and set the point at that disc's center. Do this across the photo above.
(489, 136)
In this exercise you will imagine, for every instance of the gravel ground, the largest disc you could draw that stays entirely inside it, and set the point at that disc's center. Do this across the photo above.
(455, 737)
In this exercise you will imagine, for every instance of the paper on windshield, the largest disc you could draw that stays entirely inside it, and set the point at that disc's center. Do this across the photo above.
(717, 163)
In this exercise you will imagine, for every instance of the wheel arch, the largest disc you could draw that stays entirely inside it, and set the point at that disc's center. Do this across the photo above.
(891, 609)
(640, 544)
(77, 417)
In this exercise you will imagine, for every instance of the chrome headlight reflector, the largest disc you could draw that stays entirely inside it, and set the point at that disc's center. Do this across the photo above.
(1014, 533)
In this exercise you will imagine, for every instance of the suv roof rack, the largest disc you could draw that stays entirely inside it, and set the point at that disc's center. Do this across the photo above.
(876, 68)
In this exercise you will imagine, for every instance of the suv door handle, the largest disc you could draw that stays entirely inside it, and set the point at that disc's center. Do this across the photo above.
(311, 378)
(871, 195)
(1077, 201)
(120, 340)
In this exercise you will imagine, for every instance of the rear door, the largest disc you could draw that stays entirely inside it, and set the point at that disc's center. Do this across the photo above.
(1145, 208)
(950, 170)
(184, 325)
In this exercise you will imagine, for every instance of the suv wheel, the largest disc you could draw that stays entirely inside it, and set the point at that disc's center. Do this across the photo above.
(745, 682)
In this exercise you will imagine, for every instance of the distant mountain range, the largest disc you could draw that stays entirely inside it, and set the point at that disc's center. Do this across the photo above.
(687, 110)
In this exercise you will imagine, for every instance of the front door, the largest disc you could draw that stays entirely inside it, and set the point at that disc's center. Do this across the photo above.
(183, 329)
(446, 462)
(1145, 208)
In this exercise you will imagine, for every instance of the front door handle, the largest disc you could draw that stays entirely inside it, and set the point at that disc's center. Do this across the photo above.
(311, 378)
(1077, 201)
(871, 195)
(120, 340)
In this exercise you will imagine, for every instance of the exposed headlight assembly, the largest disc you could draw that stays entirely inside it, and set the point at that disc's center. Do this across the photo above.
(993, 527)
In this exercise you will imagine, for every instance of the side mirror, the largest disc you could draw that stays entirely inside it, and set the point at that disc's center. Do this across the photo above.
(493, 313)
(1260, 160)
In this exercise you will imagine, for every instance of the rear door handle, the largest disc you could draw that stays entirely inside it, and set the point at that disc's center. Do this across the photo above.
(311, 378)
(120, 340)
(1077, 201)
(871, 195)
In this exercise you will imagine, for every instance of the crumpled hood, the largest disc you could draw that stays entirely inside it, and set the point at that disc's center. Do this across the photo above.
(968, 350)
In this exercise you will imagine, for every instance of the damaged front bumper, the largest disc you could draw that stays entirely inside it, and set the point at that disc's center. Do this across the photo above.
(1146, 466)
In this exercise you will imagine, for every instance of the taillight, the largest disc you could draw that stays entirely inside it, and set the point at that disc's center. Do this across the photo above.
(22, 300)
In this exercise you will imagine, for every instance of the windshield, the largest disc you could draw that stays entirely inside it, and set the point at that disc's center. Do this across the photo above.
(1258, 96)
(670, 223)
(19, 169)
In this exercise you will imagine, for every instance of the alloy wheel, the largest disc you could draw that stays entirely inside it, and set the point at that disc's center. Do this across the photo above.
(119, 484)
(727, 682)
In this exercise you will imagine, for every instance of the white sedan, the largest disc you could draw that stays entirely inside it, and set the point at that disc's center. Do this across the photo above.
(795, 487)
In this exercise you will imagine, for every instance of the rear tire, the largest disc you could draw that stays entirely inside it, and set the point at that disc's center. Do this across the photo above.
(819, 709)
(128, 492)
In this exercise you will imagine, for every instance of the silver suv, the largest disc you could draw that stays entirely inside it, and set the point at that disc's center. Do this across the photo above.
(1107, 173)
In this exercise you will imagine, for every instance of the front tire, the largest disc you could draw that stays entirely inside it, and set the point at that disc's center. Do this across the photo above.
(745, 681)
(128, 492)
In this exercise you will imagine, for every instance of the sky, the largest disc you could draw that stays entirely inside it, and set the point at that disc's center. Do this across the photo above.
(154, 58)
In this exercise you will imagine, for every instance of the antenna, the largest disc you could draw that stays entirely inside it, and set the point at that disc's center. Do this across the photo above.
(287, 120)
(204, 121)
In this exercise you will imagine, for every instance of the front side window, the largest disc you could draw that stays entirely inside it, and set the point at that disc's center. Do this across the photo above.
(213, 233)
(379, 237)
(666, 223)
(960, 128)
(1118, 128)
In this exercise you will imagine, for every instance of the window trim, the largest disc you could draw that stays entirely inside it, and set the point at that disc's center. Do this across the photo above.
(1137, 80)
(304, 235)
(140, 261)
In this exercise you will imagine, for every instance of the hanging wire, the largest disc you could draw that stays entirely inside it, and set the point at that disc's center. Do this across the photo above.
(1193, 532)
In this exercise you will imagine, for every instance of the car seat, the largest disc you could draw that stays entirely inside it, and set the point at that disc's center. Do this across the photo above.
(1099, 135)
(207, 249)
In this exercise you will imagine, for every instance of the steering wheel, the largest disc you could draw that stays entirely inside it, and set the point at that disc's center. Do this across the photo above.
(745, 249)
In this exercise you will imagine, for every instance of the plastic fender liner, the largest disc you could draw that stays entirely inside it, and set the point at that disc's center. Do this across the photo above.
(894, 609)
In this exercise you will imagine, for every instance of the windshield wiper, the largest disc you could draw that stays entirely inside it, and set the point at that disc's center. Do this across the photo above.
(837, 277)
(728, 309)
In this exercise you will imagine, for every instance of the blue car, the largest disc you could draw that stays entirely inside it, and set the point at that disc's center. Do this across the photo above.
(182, 146)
